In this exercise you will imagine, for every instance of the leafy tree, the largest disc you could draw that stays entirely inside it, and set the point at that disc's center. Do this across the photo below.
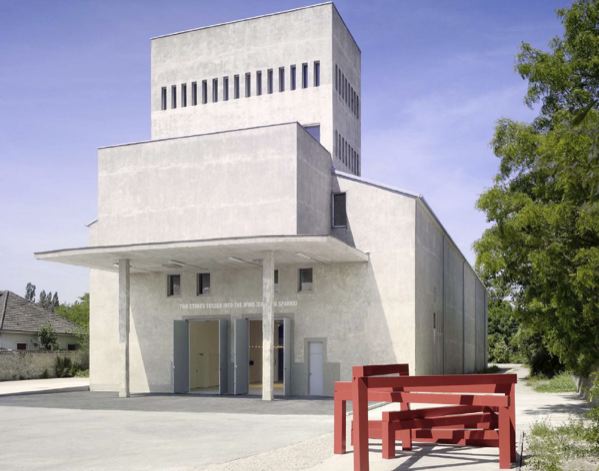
(541, 252)
(55, 303)
(48, 338)
(43, 298)
(30, 292)
(78, 313)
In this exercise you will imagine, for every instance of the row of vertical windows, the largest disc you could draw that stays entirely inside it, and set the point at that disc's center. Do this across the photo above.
(346, 92)
(282, 74)
(346, 153)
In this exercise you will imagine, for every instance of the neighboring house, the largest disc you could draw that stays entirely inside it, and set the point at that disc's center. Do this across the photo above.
(20, 321)
(239, 250)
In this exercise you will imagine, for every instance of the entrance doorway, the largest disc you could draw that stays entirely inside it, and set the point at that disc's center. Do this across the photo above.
(204, 357)
(315, 368)
(255, 360)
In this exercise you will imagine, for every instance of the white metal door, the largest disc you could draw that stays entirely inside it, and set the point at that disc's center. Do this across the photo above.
(315, 369)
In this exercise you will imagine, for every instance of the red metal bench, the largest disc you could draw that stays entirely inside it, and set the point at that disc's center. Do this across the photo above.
(343, 393)
(481, 412)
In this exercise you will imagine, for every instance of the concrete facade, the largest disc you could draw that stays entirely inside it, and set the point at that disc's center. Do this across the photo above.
(239, 187)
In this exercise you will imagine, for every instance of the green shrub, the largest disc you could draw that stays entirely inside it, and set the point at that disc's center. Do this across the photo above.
(63, 366)
(560, 383)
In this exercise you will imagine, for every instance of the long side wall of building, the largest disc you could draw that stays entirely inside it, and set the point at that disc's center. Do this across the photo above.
(450, 303)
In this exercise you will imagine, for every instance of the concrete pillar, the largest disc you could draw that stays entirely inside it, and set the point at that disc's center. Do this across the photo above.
(268, 324)
(124, 319)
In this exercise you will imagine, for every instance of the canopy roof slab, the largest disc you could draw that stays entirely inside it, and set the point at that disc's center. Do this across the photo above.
(209, 254)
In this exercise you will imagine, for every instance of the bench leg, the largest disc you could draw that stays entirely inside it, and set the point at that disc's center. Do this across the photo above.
(340, 427)
(388, 436)
(505, 452)
(513, 423)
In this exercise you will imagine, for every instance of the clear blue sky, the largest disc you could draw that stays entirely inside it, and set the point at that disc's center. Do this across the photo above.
(75, 75)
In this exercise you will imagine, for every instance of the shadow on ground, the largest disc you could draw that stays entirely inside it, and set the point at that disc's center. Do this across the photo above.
(85, 400)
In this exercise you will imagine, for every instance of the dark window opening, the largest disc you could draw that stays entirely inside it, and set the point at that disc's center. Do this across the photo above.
(163, 98)
(204, 92)
(305, 279)
(183, 95)
(236, 86)
(316, 73)
(21, 346)
(72, 346)
(336, 77)
(214, 90)
(194, 93)
(292, 79)
(339, 210)
(203, 284)
(248, 85)
(173, 285)
(225, 88)
(173, 96)
(281, 79)
(259, 82)
(304, 75)
(269, 81)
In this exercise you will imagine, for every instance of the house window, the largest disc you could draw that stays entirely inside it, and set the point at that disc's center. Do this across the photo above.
(339, 210)
(72, 346)
(248, 85)
(269, 80)
(281, 79)
(204, 92)
(304, 75)
(225, 88)
(259, 82)
(203, 284)
(173, 96)
(214, 90)
(21, 346)
(314, 131)
(292, 80)
(305, 279)
(194, 93)
(163, 98)
(183, 95)
(316, 73)
(173, 285)
(236, 86)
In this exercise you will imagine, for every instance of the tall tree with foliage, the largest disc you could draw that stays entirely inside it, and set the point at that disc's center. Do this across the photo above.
(78, 313)
(30, 292)
(542, 250)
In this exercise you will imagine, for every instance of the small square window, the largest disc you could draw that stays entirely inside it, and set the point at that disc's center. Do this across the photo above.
(72, 346)
(203, 284)
(163, 98)
(305, 279)
(21, 346)
(173, 285)
(339, 210)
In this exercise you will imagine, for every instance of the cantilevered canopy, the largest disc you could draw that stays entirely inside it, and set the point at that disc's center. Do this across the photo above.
(208, 254)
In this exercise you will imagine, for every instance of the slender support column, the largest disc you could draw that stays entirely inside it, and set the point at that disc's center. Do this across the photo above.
(124, 309)
(268, 324)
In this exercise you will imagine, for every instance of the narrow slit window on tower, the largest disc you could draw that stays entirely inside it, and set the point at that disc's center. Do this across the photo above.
(339, 146)
(335, 144)
(339, 210)
(358, 107)
(304, 75)
(214, 90)
(194, 93)
(204, 92)
(183, 95)
(339, 82)
(351, 99)
(336, 75)
(236, 86)
(173, 285)
(281, 79)
(259, 82)
(316, 73)
(173, 96)
(163, 98)
(292, 78)
(248, 85)
(269, 80)
(225, 88)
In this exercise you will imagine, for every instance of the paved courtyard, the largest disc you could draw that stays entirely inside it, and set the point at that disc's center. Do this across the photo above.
(82, 430)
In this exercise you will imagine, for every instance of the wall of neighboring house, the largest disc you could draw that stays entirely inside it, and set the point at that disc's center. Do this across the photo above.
(34, 364)
(9, 340)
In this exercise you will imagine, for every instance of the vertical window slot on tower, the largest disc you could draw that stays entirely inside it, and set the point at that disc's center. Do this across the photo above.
(204, 92)
(259, 82)
(304, 75)
(225, 88)
(248, 85)
(163, 98)
(194, 93)
(269, 80)
(292, 79)
(236, 86)
(214, 90)
(316, 73)
(173, 96)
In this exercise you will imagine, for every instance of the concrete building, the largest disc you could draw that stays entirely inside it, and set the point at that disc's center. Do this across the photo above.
(239, 250)
(21, 320)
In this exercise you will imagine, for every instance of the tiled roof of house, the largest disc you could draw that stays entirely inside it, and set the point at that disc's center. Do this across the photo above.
(18, 314)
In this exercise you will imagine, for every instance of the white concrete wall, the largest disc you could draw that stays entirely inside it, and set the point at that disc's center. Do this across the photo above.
(230, 184)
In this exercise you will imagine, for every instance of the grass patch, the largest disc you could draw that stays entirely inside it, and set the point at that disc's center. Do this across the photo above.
(560, 383)
(574, 445)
